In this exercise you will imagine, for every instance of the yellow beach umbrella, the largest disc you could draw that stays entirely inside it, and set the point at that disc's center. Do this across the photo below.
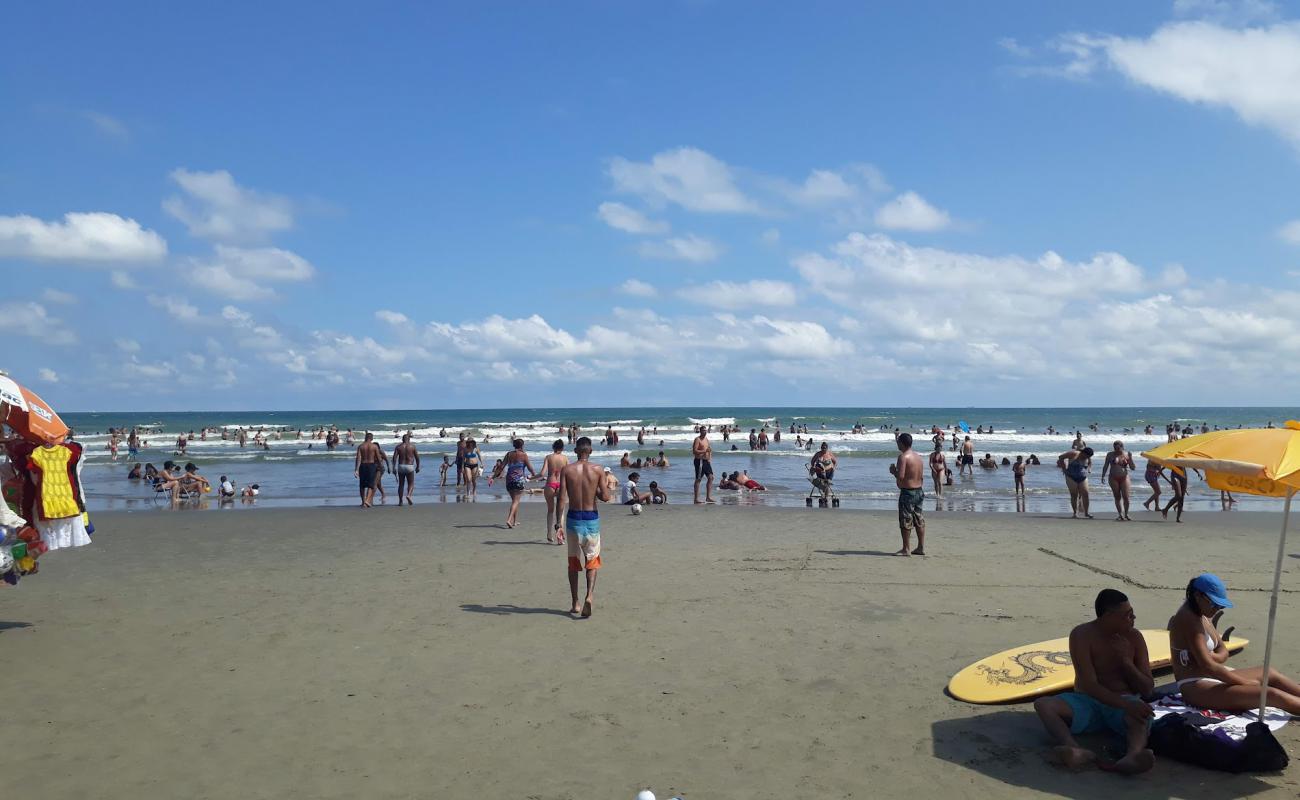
(1260, 461)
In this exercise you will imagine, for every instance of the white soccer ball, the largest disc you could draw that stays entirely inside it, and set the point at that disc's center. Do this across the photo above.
(644, 794)
(636, 509)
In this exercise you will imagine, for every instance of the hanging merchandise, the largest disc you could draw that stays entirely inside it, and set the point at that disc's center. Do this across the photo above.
(59, 506)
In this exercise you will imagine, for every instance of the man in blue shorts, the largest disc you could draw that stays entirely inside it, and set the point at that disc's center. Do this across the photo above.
(582, 484)
(1112, 675)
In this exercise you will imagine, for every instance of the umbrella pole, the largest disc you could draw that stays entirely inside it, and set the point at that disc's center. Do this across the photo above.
(1272, 606)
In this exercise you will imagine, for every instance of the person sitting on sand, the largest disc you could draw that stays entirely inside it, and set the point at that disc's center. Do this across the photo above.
(657, 496)
(1112, 675)
(631, 496)
(251, 492)
(1200, 655)
(227, 488)
(749, 483)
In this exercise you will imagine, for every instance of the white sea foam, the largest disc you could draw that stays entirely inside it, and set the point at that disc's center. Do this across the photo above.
(714, 420)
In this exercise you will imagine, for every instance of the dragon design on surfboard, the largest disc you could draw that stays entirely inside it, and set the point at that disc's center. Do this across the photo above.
(1029, 670)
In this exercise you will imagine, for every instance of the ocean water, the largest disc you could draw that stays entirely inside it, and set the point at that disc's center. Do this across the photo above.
(302, 472)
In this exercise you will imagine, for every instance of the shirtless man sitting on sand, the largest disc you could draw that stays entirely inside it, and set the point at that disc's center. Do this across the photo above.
(582, 483)
(1112, 675)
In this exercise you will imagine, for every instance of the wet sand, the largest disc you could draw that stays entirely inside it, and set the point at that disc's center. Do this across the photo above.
(426, 652)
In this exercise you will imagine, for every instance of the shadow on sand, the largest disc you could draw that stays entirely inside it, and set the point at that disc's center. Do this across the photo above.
(496, 541)
(506, 609)
(4, 626)
(855, 553)
(1007, 745)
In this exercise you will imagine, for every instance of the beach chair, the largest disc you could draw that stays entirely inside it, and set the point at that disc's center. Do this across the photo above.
(161, 495)
(822, 490)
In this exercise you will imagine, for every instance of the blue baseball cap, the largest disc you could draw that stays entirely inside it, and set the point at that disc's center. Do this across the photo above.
(1212, 587)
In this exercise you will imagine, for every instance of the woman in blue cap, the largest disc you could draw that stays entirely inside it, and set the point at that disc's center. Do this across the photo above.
(1200, 656)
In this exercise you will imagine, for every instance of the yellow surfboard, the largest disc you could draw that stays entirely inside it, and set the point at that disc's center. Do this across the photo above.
(1033, 670)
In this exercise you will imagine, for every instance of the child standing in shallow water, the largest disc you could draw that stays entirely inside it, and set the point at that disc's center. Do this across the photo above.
(1018, 470)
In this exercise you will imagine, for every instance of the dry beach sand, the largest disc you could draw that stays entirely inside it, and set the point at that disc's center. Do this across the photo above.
(425, 652)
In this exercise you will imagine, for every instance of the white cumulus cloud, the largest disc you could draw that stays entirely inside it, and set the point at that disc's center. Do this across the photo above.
(910, 212)
(733, 295)
(48, 375)
(240, 273)
(690, 247)
(629, 220)
(34, 321)
(636, 288)
(688, 177)
(94, 237)
(215, 207)
(1290, 232)
(1251, 71)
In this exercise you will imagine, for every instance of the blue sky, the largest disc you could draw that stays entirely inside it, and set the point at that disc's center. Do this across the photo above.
(328, 205)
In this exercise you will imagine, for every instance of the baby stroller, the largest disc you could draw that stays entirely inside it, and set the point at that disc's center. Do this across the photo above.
(822, 490)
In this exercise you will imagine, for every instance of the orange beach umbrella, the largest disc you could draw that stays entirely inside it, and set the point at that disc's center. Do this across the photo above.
(29, 415)
(1261, 461)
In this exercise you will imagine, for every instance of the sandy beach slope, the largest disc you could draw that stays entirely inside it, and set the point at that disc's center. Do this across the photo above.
(735, 653)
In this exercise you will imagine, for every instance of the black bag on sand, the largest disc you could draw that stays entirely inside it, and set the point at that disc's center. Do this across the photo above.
(1174, 736)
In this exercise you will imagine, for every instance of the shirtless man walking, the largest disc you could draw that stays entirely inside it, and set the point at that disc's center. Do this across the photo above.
(908, 475)
(703, 453)
(406, 460)
(938, 467)
(1119, 462)
(967, 457)
(1112, 675)
(366, 468)
(582, 484)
